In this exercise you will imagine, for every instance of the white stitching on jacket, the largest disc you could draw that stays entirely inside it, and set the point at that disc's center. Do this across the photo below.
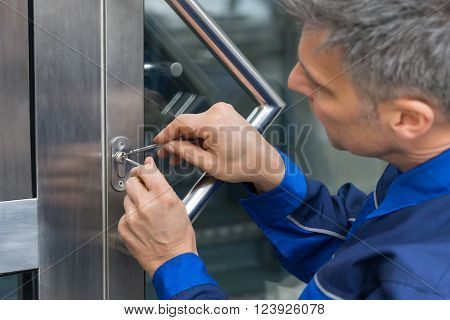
(316, 230)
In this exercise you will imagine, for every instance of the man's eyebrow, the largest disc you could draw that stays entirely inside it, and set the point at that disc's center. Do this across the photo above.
(310, 77)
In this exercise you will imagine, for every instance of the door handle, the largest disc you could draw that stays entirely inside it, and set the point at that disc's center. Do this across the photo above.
(269, 104)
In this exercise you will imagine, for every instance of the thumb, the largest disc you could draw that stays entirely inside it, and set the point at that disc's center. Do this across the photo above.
(192, 153)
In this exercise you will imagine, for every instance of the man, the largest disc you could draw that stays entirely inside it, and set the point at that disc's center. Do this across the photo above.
(376, 73)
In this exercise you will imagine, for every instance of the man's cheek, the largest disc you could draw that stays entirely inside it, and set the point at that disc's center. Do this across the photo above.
(323, 115)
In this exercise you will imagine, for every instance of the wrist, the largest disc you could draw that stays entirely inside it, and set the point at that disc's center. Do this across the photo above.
(272, 173)
(155, 264)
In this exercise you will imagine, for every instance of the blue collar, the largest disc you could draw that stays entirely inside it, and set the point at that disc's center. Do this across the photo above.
(397, 190)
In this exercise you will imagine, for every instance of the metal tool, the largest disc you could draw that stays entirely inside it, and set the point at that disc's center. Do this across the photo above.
(137, 164)
(151, 147)
(143, 149)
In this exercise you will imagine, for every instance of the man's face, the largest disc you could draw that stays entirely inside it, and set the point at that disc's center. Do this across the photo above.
(351, 124)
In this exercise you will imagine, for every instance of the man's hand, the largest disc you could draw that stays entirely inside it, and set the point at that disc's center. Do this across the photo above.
(226, 146)
(155, 226)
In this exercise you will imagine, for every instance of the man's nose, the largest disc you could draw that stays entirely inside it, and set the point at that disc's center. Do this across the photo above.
(297, 81)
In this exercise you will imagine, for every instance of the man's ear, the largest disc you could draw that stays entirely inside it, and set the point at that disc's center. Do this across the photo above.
(408, 118)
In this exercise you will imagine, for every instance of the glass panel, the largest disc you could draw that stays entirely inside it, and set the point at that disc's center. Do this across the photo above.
(235, 251)
(19, 286)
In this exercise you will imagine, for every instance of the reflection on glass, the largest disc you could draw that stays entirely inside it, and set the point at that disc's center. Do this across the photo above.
(182, 76)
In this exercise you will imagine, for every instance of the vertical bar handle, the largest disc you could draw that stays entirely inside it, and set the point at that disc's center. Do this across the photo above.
(269, 104)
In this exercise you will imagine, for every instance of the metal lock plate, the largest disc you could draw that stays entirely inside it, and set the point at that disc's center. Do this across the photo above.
(119, 167)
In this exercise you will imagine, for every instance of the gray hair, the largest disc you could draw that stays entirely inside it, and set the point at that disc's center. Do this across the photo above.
(392, 48)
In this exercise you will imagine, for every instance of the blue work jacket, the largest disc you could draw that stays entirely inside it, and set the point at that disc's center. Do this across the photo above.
(391, 244)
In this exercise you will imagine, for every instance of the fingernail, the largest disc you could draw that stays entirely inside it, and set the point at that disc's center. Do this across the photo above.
(149, 160)
(157, 137)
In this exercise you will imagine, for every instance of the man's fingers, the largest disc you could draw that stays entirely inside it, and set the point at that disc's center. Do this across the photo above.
(174, 159)
(129, 205)
(191, 153)
(186, 125)
(154, 180)
(162, 153)
(136, 190)
(134, 172)
(149, 160)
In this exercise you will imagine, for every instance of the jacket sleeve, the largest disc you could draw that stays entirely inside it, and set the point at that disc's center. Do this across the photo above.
(185, 277)
(303, 221)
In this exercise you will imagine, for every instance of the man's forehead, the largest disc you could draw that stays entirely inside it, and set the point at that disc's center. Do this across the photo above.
(324, 64)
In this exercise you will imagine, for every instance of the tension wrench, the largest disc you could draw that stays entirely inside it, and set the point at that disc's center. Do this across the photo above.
(136, 164)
